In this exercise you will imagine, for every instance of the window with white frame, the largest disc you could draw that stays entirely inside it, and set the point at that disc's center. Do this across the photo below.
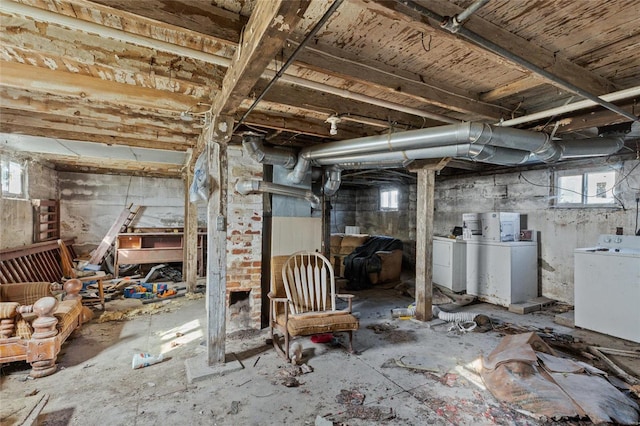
(594, 188)
(389, 198)
(13, 178)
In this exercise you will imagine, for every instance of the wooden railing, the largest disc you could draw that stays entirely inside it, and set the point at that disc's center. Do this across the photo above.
(35, 262)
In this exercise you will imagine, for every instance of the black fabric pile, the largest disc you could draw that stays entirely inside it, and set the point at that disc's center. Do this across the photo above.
(364, 261)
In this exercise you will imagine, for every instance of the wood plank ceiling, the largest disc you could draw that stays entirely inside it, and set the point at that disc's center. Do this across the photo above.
(122, 72)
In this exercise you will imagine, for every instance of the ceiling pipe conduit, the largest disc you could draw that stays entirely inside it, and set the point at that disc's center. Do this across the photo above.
(473, 152)
(452, 134)
(252, 186)
(334, 179)
(471, 141)
(253, 146)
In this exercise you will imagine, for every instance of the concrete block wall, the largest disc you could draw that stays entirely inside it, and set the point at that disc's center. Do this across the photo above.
(344, 205)
(244, 243)
(361, 208)
(560, 230)
(90, 203)
(17, 214)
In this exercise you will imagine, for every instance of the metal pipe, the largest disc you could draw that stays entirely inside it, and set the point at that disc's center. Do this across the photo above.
(289, 61)
(474, 152)
(334, 178)
(252, 144)
(454, 23)
(564, 109)
(252, 186)
(489, 45)
(593, 147)
(417, 139)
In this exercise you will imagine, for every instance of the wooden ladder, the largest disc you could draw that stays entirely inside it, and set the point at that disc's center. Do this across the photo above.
(120, 225)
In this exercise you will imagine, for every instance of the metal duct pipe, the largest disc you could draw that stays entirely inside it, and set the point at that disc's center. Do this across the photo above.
(483, 142)
(492, 47)
(474, 152)
(253, 146)
(441, 136)
(252, 186)
(593, 147)
(334, 179)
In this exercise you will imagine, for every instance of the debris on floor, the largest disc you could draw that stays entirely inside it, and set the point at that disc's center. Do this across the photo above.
(129, 313)
(391, 333)
(524, 371)
(350, 397)
(143, 359)
(291, 382)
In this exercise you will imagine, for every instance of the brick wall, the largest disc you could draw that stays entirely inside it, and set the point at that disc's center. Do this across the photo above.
(244, 243)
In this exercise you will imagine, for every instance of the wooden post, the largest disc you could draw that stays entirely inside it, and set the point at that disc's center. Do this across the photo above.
(221, 131)
(190, 235)
(424, 244)
(426, 171)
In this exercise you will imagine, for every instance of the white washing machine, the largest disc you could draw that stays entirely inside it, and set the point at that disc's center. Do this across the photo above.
(607, 286)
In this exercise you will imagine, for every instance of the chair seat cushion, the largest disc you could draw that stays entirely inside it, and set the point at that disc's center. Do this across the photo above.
(305, 325)
(24, 293)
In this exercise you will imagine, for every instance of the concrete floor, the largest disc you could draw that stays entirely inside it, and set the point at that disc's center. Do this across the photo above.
(95, 384)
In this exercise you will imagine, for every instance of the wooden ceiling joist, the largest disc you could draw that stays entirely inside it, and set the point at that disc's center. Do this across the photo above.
(266, 32)
(537, 55)
(82, 129)
(64, 83)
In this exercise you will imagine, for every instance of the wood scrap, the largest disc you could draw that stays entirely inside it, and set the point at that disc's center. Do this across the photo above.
(619, 371)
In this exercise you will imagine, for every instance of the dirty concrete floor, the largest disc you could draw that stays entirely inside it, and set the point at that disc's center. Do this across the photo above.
(95, 384)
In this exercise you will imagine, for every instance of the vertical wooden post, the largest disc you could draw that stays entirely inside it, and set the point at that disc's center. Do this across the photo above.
(424, 244)
(221, 130)
(190, 235)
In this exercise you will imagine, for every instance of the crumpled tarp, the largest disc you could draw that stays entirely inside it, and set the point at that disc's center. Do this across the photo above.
(364, 261)
(524, 371)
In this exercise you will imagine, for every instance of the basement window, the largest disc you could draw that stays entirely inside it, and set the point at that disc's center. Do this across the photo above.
(589, 189)
(389, 199)
(14, 176)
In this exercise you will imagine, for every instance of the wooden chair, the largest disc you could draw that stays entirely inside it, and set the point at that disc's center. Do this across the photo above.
(303, 300)
(69, 272)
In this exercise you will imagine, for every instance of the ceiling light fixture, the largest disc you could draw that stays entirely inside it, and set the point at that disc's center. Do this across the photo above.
(333, 120)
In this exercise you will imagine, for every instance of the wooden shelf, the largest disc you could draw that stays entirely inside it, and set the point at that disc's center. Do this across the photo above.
(155, 247)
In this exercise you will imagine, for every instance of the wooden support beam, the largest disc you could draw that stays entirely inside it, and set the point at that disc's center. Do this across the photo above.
(87, 130)
(267, 30)
(381, 78)
(424, 244)
(200, 17)
(62, 108)
(426, 171)
(190, 238)
(64, 83)
(220, 133)
(111, 167)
